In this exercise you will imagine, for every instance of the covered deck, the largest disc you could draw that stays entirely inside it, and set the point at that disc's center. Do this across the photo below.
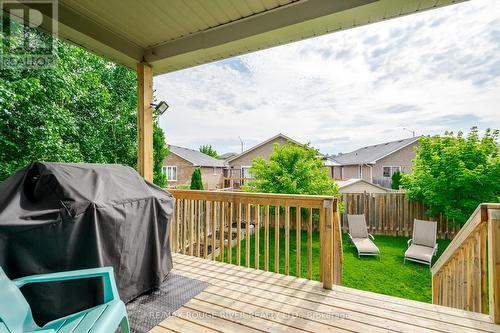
(240, 299)
(156, 39)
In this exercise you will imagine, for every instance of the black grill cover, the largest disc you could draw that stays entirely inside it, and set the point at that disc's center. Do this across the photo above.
(59, 216)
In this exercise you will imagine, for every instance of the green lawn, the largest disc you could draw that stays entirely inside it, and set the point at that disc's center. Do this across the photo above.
(386, 276)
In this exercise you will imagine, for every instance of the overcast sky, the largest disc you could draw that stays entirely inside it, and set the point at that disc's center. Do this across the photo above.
(429, 72)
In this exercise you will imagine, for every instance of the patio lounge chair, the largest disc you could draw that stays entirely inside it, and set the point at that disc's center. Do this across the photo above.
(422, 247)
(16, 317)
(360, 237)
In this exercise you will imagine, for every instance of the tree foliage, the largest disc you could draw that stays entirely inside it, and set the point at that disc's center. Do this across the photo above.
(291, 169)
(396, 180)
(82, 110)
(196, 181)
(207, 149)
(454, 174)
(160, 151)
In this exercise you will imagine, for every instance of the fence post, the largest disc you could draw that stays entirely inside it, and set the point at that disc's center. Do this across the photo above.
(337, 245)
(327, 237)
(494, 263)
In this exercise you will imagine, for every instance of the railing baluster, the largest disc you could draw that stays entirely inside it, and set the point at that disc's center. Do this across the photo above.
(191, 227)
(484, 263)
(276, 239)
(214, 224)
(230, 234)
(287, 240)
(183, 225)
(266, 238)
(238, 237)
(470, 272)
(221, 231)
(494, 263)
(256, 231)
(247, 236)
(309, 243)
(298, 230)
(205, 229)
(327, 237)
(198, 226)
(337, 245)
(321, 244)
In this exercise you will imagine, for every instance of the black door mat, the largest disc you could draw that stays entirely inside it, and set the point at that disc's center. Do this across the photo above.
(148, 310)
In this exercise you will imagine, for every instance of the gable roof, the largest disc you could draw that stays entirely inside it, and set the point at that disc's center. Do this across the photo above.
(279, 135)
(196, 157)
(348, 182)
(371, 154)
(225, 156)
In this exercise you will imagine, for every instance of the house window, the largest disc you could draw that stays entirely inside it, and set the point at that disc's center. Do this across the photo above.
(360, 172)
(171, 173)
(388, 171)
(215, 171)
(245, 172)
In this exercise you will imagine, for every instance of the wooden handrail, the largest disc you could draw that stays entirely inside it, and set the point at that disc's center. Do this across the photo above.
(459, 276)
(209, 216)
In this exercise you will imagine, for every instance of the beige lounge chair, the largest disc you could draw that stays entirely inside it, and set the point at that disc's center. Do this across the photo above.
(360, 237)
(422, 247)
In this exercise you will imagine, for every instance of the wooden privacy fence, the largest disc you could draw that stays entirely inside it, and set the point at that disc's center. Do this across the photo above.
(392, 214)
(468, 272)
(204, 222)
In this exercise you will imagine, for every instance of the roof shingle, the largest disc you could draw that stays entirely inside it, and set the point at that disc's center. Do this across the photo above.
(196, 157)
(371, 154)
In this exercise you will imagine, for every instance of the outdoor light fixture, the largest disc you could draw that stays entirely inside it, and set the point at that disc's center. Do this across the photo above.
(161, 107)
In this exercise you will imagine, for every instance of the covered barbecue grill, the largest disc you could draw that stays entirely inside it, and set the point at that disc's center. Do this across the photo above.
(59, 216)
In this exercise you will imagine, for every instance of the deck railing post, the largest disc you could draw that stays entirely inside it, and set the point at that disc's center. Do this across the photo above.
(494, 263)
(337, 245)
(327, 240)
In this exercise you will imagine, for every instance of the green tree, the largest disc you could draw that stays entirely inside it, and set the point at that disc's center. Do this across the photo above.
(196, 182)
(454, 174)
(291, 169)
(160, 151)
(396, 180)
(207, 149)
(84, 109)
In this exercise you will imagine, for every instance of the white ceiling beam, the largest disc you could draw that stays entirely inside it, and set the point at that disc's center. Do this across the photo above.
(294, 13)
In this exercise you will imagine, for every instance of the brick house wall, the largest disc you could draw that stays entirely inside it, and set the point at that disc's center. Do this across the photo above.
(211, 178)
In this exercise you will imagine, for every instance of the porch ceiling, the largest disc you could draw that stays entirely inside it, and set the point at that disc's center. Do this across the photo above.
(176, 34)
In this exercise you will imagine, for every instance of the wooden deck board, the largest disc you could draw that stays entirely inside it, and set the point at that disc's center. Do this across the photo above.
(242, 299)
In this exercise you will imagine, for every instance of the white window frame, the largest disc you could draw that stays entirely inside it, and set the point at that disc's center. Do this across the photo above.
(243, 167)
(165, 171)
(392, 170)
(360, 171)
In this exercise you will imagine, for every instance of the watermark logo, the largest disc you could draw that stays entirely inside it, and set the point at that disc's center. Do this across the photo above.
(23, 44)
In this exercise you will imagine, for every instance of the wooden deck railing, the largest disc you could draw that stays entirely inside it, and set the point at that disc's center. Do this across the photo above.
(468, 272)
(204, 220)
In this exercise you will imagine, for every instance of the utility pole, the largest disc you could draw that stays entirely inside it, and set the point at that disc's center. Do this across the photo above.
(241, 141)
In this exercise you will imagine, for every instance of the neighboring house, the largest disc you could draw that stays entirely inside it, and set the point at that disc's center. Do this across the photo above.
(359, 186)
(237, 167)
(181, 162)
(376, 164)
(227, 156)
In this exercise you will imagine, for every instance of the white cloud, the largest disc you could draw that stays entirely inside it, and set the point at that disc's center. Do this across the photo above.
(430, 72)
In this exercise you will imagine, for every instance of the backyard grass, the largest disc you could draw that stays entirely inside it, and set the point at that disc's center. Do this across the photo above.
(389, 275)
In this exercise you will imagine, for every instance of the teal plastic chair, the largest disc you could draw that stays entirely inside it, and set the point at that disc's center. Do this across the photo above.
(16, 316)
